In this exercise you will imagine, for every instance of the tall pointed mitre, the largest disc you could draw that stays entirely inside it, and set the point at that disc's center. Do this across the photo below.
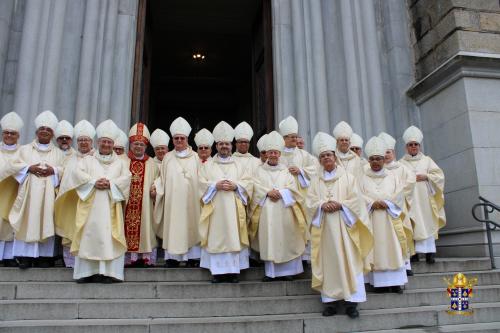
(390, 142)
(108, 129)
(413, 134)
(84, 128)
(342, 130)
(375, 147)
(121, 139)
(356, 140)
(180, 126)
(64, 128)
(46, 119)
(323, 142)
(260, 143)
(11, 122)
(204, 138)
(223, 132)
(288, 126)
(243, 131)
(139, 132)
(274, 141)
(159, 138)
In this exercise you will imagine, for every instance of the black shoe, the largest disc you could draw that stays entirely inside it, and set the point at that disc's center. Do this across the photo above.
(109, 280)
(381, 290)
(352, 312)
(409, 272)
(267, 279)
(10, 263)
(193, 263)
(233, 278)
(88, 279)
(218, 278)
(286, 278)
(24, 262)
(255, 263)
(414, 258)
(329, 311)
(396, 290)
(44, 262)
(430, 258)
(170, 263)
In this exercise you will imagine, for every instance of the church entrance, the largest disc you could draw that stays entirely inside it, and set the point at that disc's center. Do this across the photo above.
(206, 61)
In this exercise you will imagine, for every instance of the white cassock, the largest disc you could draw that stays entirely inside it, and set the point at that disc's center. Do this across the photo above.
(32, 215)
(99, 241)
(223, 225)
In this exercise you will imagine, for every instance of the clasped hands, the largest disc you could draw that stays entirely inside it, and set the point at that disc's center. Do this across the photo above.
(331, 206)
(294, 170)
(225, 185)
(422, 178)
(102, 184)
(274, 195)
(379, 204)
(40, 171)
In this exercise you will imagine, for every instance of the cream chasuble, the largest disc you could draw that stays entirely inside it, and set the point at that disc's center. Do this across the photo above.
(98, 241)
(277, 229)
(351, 162)
(247, 160)
(177, 208)
(223, 226)
(427, 199)
(390, 244)
(139, 231)
(407, 178)
(340, 240)
(32, 214)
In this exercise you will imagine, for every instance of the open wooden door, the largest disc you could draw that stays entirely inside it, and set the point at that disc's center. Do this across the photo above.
(262, 57)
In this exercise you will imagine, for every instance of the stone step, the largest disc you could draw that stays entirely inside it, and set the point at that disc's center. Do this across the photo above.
(181, 290)
(419, 319)
(469, 328)
(8, 274)
(142, 308)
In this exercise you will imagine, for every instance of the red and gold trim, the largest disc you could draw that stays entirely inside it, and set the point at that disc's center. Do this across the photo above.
(139, 135)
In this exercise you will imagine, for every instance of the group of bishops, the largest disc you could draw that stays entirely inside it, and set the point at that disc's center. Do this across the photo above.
(359, 222)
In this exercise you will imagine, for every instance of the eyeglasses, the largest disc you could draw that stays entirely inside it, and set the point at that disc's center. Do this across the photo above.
(64, 138)
(8, 133)
(179, 138)
(355, 148)
(413, 144)
(203, 148)
(82, 140)
(375, 158)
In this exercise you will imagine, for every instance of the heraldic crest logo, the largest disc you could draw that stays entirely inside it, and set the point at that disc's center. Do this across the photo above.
(460, 292)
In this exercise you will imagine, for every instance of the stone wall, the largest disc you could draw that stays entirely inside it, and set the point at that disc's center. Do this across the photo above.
(442, 28)
(457, 62)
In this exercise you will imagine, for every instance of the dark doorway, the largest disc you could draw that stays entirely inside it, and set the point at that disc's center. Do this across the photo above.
(206, 61)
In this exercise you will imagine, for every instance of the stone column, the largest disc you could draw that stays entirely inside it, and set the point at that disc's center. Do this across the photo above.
(331, 62)
(457, 58)
(75, 58)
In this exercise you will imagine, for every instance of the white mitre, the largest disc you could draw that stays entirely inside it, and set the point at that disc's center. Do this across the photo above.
(260, 143)
(342, 130)
(64, 128)
(288, 126)
(375, 147)
(204, 138)
(390, 142)
(243, 131)
(323, 142)
(11, 122)
(46, 119)
(413, 134)
(180, 126)
(120, 140)
(274, 141)
(84, 128)
(108, 129)
(356, 140)
(159, 138)
(223, 132)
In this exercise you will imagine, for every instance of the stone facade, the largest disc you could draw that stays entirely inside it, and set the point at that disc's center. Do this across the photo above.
(457, 66)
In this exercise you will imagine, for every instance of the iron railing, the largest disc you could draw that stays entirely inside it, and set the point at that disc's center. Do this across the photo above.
(488, 208)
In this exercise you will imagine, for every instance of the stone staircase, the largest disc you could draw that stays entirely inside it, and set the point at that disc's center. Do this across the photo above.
(183, 300)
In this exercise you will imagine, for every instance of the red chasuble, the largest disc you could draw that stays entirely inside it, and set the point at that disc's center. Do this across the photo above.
(133, 210)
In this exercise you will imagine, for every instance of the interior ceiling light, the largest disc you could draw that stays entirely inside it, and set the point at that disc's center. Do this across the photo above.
(198, 56)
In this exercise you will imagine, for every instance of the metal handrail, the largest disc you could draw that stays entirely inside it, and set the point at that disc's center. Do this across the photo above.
(488, 208)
